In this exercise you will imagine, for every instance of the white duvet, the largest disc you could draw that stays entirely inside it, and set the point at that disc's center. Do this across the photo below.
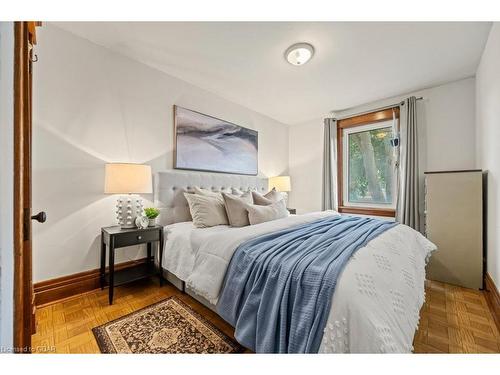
(376, 303)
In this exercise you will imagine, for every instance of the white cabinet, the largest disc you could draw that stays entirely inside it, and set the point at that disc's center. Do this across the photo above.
(454, 222)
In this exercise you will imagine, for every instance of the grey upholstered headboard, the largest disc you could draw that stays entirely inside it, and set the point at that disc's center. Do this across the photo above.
(170, 185)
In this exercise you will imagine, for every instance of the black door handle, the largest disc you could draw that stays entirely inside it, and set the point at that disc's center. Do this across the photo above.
(40, 217)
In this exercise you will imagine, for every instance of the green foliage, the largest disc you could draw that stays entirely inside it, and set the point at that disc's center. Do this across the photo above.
(151, 212)
(380, 150)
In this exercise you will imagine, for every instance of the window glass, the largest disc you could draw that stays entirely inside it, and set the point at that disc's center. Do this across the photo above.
(370, 166)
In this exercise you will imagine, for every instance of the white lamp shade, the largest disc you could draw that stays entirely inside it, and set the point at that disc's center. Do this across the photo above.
(126, 178)
(281, 183)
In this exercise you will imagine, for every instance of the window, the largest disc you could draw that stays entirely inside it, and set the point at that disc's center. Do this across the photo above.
(366, 164)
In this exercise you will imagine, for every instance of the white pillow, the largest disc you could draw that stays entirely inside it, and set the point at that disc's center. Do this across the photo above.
(207, 211)
(259, 214)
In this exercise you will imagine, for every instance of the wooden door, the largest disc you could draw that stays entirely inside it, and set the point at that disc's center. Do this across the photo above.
(24, 307)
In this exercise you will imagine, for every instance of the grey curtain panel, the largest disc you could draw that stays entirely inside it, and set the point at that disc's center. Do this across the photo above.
(329, 201)
(407, 208)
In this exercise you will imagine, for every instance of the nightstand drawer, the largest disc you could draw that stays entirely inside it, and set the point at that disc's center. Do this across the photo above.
(134, 238)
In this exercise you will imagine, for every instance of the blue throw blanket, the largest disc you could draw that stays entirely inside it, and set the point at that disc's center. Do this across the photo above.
(279, 287)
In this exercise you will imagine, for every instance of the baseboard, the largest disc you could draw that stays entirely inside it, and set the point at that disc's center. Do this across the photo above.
(493, 298)
(67, 286)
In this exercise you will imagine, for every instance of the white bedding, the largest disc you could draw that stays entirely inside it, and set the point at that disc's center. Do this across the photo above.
(182, 241)
(376, 304)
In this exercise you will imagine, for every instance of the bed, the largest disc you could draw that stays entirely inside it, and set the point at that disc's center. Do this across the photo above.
(378, 295)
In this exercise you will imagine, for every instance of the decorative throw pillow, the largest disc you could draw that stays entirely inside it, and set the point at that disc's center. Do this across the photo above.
(206, 211)
(272, 196)
(260, 214)
(236, 208)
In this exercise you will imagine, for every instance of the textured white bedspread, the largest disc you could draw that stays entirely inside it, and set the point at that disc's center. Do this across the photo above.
(378, 297)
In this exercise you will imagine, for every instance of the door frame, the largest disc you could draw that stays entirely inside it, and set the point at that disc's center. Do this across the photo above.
(24, 40)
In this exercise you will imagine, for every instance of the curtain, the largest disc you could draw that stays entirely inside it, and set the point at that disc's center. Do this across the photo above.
(408, 202)
(329, 201)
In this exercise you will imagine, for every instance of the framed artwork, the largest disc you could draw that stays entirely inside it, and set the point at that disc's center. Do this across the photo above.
(206, 143)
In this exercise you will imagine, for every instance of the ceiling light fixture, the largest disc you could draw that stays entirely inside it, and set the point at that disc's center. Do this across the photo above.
(299, 53)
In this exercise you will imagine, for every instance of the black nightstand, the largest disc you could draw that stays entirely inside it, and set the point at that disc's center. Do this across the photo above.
(293, 211)
(115, 237)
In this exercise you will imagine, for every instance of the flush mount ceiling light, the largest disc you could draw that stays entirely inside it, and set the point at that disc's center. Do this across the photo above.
(299, 53)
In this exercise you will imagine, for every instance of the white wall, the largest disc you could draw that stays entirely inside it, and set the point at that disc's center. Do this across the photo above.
(93, 106)
(6, 183)
(306, 165)
(447, 131)
(488, 142)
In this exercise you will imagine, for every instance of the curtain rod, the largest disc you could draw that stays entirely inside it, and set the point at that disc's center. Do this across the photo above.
(375, 109)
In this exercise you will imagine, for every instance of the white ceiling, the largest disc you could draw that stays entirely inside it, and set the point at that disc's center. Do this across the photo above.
(354, 63)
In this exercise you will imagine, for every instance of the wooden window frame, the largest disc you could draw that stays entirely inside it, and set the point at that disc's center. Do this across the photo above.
(351, 122)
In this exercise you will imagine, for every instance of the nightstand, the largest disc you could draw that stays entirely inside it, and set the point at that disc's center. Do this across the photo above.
(293, 211)
(113, 238)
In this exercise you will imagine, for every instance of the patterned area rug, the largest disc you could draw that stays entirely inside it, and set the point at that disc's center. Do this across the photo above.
(169, 326)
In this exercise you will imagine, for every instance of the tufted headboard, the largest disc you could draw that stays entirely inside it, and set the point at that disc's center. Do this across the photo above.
(170, 186)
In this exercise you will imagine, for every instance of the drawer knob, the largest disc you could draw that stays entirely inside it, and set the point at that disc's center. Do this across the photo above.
(139, 237)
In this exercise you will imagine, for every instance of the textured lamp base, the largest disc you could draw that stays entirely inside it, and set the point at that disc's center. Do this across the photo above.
(128, 208)
(284, 194)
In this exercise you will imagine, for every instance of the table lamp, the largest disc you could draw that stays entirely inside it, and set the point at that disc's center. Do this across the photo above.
(128, 179)
(281, 184)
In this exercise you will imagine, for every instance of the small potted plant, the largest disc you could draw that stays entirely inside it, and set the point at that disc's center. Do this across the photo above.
(152, 213)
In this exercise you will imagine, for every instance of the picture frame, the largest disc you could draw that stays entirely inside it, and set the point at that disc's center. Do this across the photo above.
(207, 143)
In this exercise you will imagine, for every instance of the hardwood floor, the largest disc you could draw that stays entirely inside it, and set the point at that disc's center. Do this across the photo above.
(453, 319)
(66, 326)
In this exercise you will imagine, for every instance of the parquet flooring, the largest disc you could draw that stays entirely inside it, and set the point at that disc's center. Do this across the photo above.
(66, 326)
(453, 319)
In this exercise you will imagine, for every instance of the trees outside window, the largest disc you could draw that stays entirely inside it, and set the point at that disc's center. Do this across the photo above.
(367, 164)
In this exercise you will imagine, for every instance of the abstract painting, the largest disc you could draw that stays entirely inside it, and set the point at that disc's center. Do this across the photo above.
(206, 143)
